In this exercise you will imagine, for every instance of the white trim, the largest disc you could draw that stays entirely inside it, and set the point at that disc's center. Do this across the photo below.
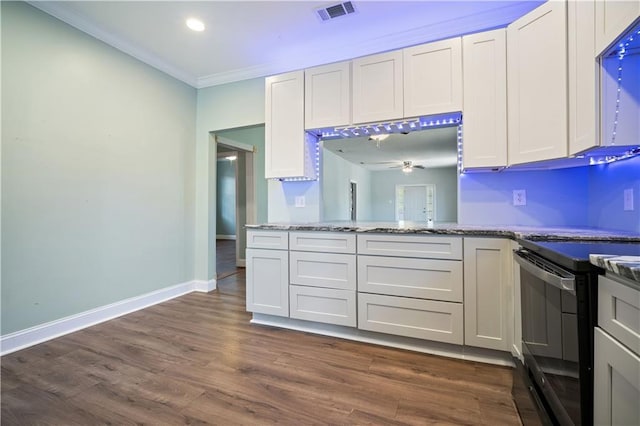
(225, 237)
(437, 31)
(41, 333)
(241, 263)
(204, 286)
(469, 353)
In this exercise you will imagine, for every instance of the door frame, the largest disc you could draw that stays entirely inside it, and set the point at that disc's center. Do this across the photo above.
(251, 204)
(427, 186)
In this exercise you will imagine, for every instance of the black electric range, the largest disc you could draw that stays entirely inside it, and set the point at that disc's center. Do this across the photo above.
(574, 255)
(558, 288)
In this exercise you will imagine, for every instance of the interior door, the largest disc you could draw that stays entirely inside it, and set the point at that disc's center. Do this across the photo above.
(415, 203)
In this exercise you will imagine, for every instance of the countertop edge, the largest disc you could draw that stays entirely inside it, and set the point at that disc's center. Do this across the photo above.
(533, 235)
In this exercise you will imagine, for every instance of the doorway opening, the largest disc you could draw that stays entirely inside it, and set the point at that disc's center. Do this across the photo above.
(416, 203)
(235, 203)
(353, 200)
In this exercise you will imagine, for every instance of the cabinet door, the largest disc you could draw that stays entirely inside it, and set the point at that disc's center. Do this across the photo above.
(433, 78)
(284, 126)
(537, 85)
(327, 96)
(485, 99)
(616, 382)
(583, 77)
(613, 17)
(268, 282)
(377, 87)
(487, 278)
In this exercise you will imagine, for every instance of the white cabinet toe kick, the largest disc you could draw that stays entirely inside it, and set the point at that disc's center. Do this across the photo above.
(409, 291)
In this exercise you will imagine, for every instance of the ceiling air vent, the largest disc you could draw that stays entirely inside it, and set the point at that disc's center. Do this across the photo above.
(335, 11)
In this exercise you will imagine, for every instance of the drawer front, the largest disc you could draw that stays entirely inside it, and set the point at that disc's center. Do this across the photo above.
(423, 278)
(422, 319)
(324, 305)
(411, 246)
(276, 240)
(619, 311)
(332, 242)
(323, 270)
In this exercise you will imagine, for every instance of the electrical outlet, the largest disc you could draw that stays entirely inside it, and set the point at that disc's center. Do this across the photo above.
(628, 199)
(519, 197)
(300, 201)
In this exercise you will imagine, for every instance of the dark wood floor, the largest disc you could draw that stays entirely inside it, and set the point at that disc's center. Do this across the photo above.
(225, 258)
(196, 359)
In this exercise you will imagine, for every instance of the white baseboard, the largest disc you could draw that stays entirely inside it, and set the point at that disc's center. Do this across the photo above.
(225, 237)
(41, 333)
(204, 286)
(241, 263)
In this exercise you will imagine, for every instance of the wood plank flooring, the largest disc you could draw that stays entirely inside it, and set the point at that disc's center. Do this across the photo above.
(197, 360)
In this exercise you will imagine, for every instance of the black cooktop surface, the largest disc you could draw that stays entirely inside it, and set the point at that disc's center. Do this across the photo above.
(574, 255)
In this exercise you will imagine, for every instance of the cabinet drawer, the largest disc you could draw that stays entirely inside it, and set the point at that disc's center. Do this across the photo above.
(619, 311)
(332, 242)
(323, 270)
(323, 305)
(422, 319)
(277, 240)
(410, 246)
(423, 278)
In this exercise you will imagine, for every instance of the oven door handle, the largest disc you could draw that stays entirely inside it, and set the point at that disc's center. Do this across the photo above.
(565, 283)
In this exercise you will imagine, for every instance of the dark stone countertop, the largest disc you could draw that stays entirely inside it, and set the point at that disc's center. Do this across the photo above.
(507, 231)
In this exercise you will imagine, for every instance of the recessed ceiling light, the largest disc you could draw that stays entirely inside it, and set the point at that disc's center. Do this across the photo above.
(195, 24)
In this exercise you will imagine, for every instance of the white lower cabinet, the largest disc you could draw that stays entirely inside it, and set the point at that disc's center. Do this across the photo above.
(268, 281)
(418, 318)
(616, 382)
(324, 305)
(487, 292)
(616, 371)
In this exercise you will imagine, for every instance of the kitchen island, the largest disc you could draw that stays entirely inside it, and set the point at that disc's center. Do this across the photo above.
(447, 289)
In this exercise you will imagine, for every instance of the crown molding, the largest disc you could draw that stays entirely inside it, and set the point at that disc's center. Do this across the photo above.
(54, 9)
(320, 56)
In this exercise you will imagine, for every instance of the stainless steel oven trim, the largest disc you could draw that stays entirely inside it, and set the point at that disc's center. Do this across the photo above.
(545, 270)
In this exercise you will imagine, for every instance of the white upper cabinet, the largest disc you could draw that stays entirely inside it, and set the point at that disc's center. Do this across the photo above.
(377, 87)
(287, 151)
(327, 91)
(537, 85)
(612, 18)
(583, 77)
(433, 78)
(485, 99)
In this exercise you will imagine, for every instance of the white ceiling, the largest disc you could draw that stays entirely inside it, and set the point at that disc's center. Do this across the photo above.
(430, 148)
(249, 39)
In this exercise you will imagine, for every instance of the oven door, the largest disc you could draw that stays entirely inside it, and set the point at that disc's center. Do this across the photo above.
(550, 335)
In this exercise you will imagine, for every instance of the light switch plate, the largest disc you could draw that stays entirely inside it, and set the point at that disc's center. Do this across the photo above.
(300, 201)
(519, 197)
(628, 200)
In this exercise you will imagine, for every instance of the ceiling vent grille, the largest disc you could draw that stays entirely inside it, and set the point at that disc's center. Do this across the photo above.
(335, 11)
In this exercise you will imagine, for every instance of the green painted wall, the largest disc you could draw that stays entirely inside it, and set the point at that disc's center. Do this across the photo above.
(229, 106)
(337, 174)
(98, 160)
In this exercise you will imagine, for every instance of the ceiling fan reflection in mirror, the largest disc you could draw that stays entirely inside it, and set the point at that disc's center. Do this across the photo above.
(407, 166)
